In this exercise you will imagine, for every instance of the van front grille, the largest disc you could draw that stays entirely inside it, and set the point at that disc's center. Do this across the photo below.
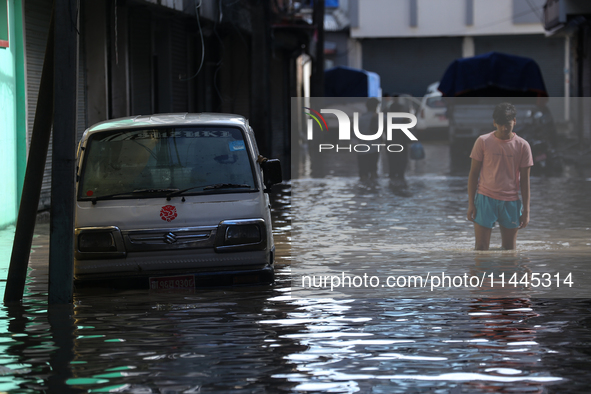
(174, 238)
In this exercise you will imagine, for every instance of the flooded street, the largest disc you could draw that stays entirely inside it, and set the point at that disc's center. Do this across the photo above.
(284, 338)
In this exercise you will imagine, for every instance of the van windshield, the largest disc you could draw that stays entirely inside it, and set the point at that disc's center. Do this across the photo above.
(163, 160)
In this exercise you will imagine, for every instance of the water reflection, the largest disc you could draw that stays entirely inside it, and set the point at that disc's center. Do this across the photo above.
(409, 345)
(180, 344)
(343, 225)
(263, 339)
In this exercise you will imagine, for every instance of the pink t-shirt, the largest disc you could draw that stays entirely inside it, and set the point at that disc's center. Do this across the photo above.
(501, 161)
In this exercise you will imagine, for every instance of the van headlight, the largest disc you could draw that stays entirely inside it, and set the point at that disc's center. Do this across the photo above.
(241, 235)
(96, 242)
(99, 242)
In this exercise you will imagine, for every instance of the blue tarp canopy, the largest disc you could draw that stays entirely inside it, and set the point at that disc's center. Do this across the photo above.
(344, 81)
(493, 74)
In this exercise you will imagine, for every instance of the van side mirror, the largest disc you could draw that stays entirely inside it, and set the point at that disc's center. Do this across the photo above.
(271, 173)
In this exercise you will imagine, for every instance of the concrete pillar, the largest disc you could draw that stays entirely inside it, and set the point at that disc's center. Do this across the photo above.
(355, 53)
(468, 49)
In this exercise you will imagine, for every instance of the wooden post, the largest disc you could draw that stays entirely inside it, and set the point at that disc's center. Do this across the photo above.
(27, 214)
(61, 327)
(61, 241)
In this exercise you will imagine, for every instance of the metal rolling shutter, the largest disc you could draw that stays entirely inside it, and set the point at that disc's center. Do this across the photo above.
(233, 75)
(180, 92)
(82, 119)
(548, 52)
(37, 15)
(409, 65)
(140, 53)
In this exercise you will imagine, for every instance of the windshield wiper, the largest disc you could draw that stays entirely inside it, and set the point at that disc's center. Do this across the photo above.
(109, 196)
(208, 187)
(155, 190)
(226, 186)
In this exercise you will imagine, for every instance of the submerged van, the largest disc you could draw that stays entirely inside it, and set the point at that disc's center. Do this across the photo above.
(173, 200)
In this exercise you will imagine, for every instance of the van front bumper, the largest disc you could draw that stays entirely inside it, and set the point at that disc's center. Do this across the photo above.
(201, 278)
(197, 260)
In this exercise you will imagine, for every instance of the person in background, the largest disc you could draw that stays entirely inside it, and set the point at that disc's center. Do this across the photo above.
(501, 163)
(397, 161)
(367, 162)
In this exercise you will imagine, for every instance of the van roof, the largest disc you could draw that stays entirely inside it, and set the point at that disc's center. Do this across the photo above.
(175, 119)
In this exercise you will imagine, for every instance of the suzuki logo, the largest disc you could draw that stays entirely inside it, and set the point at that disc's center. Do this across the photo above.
(170, 238)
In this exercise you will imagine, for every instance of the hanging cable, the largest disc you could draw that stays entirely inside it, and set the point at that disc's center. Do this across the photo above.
(536, 11)
(197, 6)
(74, 18)
(488, 25)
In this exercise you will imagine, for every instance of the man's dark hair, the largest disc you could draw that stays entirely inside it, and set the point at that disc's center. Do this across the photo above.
(504, 113)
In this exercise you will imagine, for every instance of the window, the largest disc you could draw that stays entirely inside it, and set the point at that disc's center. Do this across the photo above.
(528, 11)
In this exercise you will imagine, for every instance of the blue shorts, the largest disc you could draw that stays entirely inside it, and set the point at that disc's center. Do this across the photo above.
(489, 211)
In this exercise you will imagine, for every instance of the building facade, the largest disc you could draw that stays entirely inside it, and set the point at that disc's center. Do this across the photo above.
(410, 43)
(571, 20)
(164, 56)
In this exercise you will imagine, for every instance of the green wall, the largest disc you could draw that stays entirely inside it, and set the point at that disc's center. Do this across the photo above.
(13, 115)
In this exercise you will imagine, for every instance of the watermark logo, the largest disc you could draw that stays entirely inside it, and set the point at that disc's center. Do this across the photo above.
(315, 117)
(395, 122)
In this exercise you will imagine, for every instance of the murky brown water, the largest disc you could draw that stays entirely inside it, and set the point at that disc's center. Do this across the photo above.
(262, 340)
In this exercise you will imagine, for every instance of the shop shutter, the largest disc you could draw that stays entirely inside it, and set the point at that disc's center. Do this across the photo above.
(180, 91)
(409, 65)
(548, 52)
(37, 14)
(37, 17)
(140, 52)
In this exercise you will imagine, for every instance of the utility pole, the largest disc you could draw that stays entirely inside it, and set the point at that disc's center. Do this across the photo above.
(317, 77)
(27, 214)
(61, 241)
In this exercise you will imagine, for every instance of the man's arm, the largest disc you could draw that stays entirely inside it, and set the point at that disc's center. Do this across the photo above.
(524, 182)
(472, 185)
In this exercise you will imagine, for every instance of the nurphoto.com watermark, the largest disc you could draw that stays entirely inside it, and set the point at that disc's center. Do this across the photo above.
(490, 280)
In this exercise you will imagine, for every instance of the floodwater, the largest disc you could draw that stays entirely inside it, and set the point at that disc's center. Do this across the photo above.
(268, 340)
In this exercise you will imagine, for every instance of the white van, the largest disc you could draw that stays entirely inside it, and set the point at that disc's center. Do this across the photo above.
(173, 200)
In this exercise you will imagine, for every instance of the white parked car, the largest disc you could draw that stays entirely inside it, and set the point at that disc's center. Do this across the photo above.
(168, 200)
(432, 110)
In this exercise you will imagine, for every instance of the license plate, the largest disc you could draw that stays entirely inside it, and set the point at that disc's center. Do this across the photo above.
(181, 282)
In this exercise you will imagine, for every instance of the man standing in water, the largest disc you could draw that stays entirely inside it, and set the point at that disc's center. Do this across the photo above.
(501, 162)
